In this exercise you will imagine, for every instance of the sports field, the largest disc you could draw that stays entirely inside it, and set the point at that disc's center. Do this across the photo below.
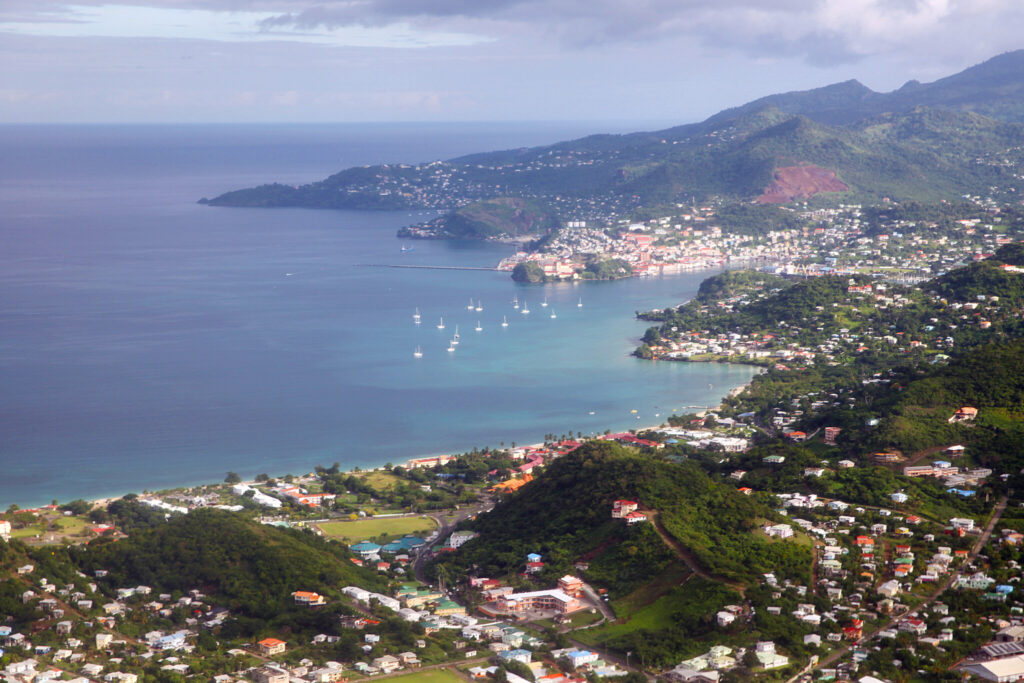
(432, 676)
(392, 527)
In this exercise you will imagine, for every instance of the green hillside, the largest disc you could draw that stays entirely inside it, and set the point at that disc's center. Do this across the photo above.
(250, 568)
(566, 515)
(498, 217)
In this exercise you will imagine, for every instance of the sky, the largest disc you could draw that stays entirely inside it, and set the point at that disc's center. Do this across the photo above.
(186, 61)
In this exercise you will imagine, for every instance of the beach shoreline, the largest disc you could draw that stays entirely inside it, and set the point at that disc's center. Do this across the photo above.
(104, 500)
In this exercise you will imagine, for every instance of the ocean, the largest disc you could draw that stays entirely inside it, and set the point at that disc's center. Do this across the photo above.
(147, 341)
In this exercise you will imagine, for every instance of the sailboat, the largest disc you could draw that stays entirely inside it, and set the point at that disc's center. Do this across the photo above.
(504, 321)
(553, 316)
(478, 328)
(416, 316)
(525, 309)
(440, 325)
(579, 304)
(455, 339)
(471, 306)
(545, 302)
(418, 353)
(515, 302)
(451, 348)
(408, 248)
(479, 305)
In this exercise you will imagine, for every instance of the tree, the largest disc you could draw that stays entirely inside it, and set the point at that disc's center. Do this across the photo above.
(232, 478)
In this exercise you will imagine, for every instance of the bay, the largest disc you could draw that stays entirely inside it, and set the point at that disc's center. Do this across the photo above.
(147, 341)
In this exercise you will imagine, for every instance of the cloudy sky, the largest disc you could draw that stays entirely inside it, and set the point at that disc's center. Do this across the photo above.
(419, 60)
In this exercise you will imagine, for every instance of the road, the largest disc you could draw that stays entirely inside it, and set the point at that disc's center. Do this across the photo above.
(997, 513)
(445, 526)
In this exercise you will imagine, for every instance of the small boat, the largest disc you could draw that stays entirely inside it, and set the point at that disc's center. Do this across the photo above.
(416, 316)
(479, 305)
(515, 302)
(406, 248)
(553, 316)
(440, 325)
(525, 309)
(504, 321)
(450, 348)
(545, 302)
(471, 305)
(455, 339)
(418, 353)
(579, 304)
(478, 328)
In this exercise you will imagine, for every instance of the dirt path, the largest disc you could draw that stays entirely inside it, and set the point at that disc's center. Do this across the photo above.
(686, 556)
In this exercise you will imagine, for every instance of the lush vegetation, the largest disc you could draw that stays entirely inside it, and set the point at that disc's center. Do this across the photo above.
(250, 568)
(566, 515)
(499, 217)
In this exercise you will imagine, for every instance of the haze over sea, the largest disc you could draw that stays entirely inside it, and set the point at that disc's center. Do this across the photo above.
(147, 341)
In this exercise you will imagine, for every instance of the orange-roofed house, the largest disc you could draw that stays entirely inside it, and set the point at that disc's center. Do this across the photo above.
(965, 414)
(271, 646)
(308, 598)
(745, 490)
(512, 484)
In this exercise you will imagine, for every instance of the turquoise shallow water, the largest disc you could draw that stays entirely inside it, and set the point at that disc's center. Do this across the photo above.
(147, 341)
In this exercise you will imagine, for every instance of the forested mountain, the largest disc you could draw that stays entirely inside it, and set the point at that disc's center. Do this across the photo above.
(921, 142)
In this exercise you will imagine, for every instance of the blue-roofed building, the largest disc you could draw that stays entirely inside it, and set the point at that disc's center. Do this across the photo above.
(1003, 588)
(413, 542)
(365, 549)
(393, 547)
(533, 557)
(581, 658)
(963, 493)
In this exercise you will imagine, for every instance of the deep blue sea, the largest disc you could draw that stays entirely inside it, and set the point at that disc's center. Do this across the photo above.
(147, 341)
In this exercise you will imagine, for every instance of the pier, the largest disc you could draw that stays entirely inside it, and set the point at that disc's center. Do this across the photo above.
(406, 265)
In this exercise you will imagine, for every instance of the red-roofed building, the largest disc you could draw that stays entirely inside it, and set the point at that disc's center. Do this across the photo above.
(271, 646)
(621, 508)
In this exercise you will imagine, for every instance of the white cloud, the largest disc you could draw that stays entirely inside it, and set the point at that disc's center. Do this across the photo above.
(128, 21)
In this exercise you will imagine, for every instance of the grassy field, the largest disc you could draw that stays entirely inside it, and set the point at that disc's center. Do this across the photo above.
(379, 481)
(66, 526)
(432, 676)
(391, 527)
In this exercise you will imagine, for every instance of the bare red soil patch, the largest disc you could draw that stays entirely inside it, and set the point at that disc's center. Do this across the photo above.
(800, 182)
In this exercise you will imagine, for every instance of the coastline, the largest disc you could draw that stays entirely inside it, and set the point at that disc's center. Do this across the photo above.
(107, 498)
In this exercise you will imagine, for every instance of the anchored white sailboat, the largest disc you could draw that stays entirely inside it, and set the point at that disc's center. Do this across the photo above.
(478, 328)
(440, 325)
(525, 309)
(553, 316)
(471, 305)
(545, 302)
(418, 353)
(479, 305)
(515, 302)
(504, 321)
(416, 316)
(579, 304)
(455, 339)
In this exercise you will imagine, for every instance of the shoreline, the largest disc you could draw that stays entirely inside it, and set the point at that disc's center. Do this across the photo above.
(107, 498)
